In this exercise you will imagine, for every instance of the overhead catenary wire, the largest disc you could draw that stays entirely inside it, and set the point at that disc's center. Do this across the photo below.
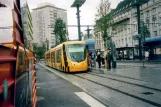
(52, 26)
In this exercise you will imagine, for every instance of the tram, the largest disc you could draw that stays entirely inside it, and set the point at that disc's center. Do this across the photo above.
(69, 56)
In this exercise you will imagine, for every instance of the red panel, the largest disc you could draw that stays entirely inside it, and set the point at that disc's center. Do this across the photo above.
(18, 36)
(16, 17)
(7, 102)
(10, 83)
(6, 72)
(7, 58)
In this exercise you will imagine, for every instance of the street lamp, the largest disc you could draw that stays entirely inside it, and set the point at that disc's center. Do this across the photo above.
(142, 39)
(137, 4)
(77, 4)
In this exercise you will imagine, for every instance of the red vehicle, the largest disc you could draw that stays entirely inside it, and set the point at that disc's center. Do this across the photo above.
(17, 64)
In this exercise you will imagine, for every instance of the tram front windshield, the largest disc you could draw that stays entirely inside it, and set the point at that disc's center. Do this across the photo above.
(76, 52)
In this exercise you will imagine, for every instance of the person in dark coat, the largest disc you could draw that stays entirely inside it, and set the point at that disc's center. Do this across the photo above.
(99, 60)
(109, 59)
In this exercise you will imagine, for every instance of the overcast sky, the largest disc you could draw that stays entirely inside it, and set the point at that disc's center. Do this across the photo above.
(88, 11)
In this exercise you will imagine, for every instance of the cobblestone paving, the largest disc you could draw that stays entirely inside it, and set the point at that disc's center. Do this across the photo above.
(149, 74)
(130, 81)
(105, 95)
(126, 88)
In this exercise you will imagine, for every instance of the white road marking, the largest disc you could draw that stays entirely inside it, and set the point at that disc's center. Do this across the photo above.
(89, 100)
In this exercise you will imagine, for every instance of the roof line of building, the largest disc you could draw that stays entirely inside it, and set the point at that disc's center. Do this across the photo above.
(48, 6)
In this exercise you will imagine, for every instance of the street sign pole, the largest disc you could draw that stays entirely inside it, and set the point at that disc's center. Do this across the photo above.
(78, 18)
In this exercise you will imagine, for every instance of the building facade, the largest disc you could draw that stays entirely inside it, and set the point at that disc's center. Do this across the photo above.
(44, 16)
(125, 26)
(99, 45)
(27, 24)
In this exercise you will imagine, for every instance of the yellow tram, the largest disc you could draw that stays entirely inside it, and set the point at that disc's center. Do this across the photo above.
(69, 56)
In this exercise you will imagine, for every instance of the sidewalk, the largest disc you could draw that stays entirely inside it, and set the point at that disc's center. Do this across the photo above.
(150, 73)
(138, 61)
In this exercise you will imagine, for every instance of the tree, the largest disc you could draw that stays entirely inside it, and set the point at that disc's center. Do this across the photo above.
(103, 19)
(39, 50)
(60, 31)
(144, 30)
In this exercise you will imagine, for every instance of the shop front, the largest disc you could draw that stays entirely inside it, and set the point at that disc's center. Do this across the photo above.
(153, 46)
(125, 53)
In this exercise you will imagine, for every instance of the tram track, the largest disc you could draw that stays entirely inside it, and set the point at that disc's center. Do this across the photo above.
(110, 83)
(116, 75)
(128, 82)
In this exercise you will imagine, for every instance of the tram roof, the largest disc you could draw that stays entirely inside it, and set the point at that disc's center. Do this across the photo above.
(68, 42)
(90, 41)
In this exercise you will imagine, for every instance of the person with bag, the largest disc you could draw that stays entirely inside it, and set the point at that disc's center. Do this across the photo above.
(99, 60)
(109, 59)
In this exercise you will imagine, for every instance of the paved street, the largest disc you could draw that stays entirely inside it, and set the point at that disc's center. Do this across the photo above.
(54, 91)
(115, 91)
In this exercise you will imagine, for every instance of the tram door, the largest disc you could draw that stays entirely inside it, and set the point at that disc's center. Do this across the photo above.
(65, 59)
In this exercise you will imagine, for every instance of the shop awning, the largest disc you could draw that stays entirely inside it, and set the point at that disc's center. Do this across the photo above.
(153, 39)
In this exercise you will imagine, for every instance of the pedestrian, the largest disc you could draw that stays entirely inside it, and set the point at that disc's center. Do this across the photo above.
(92, 60)
(102, 60)
(99, 60)
(109, 59)
(147, 55)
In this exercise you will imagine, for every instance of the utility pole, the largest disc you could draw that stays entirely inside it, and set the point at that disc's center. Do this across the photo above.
(139, 31)
(137, 4)
(88, 31)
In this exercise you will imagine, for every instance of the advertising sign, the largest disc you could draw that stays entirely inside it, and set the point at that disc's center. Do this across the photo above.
(6, 25)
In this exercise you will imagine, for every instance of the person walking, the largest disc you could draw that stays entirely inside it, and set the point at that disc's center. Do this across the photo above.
(92, 60)
(109, 59)
(99, 60)
(147, 55)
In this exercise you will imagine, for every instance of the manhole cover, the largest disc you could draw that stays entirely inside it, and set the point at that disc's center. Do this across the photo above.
(147, 93)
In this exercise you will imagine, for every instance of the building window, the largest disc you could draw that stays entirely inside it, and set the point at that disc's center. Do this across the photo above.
(155, 33)
(122, 41)
(154, 10)
(147, 13)
(129, 40)
(154, 20)
(126, 40)
(159, 19)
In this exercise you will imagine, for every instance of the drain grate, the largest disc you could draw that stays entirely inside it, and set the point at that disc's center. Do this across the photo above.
(147, 93)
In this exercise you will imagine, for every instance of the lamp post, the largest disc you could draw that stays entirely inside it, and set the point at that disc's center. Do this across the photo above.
(78, 4)
(137, 4)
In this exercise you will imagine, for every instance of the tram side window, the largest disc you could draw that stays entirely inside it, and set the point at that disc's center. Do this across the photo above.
(48, 57)
(54, 56)
(58, 56)
(20, 62)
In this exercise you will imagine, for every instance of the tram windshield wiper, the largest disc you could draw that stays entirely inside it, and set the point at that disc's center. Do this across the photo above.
(74, 58)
